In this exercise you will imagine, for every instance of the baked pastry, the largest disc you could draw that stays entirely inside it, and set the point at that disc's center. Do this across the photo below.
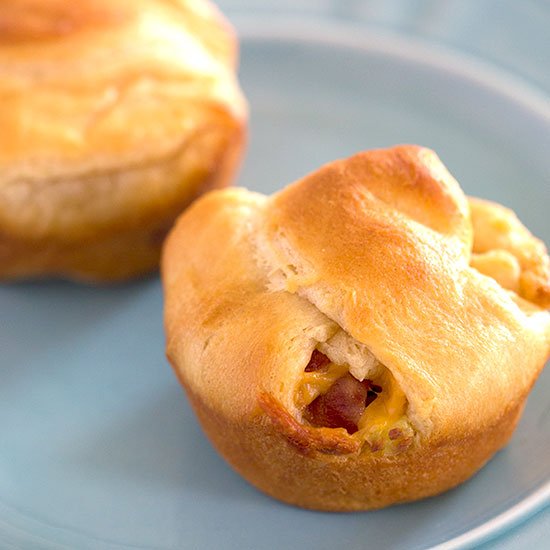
(342, 346)
(115, 115)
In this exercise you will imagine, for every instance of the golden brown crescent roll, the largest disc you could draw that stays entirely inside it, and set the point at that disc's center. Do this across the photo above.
(340, 343)
(114, 115)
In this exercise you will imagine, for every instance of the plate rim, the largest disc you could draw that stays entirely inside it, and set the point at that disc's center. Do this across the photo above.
(357, 36)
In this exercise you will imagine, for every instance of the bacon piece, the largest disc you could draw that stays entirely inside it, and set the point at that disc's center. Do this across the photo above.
(341, 406)
(395, 433)
(317, 362)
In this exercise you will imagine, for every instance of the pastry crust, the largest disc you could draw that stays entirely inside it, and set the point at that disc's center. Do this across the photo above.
(115, 116)
(368, 260)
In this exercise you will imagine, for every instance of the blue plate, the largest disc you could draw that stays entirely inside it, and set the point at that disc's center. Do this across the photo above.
(99, 448)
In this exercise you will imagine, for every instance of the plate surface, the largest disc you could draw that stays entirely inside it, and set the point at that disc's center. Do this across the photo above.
(99, 448)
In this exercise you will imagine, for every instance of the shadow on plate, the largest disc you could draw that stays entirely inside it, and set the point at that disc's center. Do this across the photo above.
(160, 445)
(45, 316)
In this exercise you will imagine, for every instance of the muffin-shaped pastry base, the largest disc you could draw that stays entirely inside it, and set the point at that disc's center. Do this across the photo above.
(343, 482)
(364, 337)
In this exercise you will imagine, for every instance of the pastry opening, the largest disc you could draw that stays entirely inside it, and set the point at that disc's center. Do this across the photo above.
(372, 409)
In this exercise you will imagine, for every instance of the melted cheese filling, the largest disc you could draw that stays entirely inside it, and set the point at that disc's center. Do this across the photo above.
(383, 424)
(387, 408)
